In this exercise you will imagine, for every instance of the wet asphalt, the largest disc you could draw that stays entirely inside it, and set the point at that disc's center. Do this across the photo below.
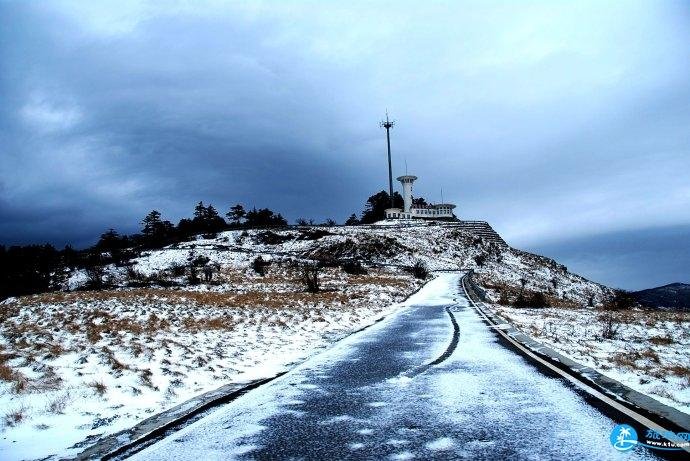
(414, 386)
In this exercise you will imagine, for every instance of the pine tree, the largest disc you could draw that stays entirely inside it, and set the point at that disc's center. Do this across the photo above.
(211, 213)
(352, 220)
(375, 208)
(200, 211)
(264, 217)
(151, 223)
(236, 214)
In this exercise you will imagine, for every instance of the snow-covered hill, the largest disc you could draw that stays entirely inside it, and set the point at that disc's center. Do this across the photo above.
(498, 267)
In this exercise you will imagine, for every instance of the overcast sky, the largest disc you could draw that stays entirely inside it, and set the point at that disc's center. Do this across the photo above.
(566, 125)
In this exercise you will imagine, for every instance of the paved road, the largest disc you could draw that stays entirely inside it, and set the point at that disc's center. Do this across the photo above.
(370, 397)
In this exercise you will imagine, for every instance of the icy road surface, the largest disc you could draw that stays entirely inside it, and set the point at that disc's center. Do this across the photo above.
(370, 397)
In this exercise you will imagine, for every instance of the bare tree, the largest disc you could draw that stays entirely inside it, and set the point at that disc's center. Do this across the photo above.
(609, 324)
(310, 276)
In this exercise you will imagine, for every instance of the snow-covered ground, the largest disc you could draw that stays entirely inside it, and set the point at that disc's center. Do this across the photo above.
(87, 364)
(79, 364)
(363, 400)
(649, 352)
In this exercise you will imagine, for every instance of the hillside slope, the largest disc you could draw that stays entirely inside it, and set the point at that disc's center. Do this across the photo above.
(672, 296)
(499, 268)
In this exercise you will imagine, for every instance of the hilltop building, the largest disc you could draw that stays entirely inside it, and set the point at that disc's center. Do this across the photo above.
(414, 211)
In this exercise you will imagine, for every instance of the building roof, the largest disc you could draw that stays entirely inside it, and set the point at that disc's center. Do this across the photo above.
(432, 206)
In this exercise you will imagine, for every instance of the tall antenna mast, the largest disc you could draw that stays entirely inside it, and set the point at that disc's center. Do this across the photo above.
(388, 124)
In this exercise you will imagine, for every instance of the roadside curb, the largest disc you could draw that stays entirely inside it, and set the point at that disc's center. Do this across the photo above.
(158, 425)
(150, 430)
(644, 409)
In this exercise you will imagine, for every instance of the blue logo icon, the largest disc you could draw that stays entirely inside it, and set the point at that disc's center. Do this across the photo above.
(623, 437)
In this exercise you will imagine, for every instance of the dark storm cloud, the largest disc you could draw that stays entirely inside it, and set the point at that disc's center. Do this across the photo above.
(555, 122)
(632, 259)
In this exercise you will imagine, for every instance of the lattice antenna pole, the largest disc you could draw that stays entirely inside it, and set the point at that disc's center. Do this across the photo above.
(388, 124)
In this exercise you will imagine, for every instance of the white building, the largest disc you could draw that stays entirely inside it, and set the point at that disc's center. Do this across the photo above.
(410, 211)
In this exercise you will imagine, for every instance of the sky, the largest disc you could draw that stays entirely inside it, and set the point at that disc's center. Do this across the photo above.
(565, 125)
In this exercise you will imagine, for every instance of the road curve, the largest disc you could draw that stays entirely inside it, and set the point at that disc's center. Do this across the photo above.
(402, 390)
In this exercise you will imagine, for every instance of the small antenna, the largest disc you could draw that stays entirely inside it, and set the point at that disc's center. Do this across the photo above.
(442, 196)
(405, 166)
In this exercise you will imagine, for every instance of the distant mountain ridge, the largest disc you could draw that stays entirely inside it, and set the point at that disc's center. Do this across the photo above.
(671, 296)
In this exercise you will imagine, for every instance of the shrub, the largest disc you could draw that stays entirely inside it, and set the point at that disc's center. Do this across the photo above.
(533, 299)
(621, 300)
(177, 270)
(259, 266)
(94, 278)
(272, 238)
(419, 270)
(353, 267)
(200, 261)
(537, 299)
(157, 278)
(313, 234)
(133, 274)
(480, 259)
(145, 376)
(193, 276)
(520, 301)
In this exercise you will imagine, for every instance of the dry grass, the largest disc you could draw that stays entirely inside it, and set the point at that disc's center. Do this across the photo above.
(626, 359)
(145, 378)
(101, 321)
(192, 324)
(661, 392)
(116, 326)
(98, 387)
(57, 405)
(681, 371)
(661, 340)
(648, 352)
(17, 380)
(511, 292)
(15, 417)
(6, 373)
(270, 284)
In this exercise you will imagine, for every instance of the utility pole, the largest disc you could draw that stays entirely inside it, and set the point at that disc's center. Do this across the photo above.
(388, 125)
